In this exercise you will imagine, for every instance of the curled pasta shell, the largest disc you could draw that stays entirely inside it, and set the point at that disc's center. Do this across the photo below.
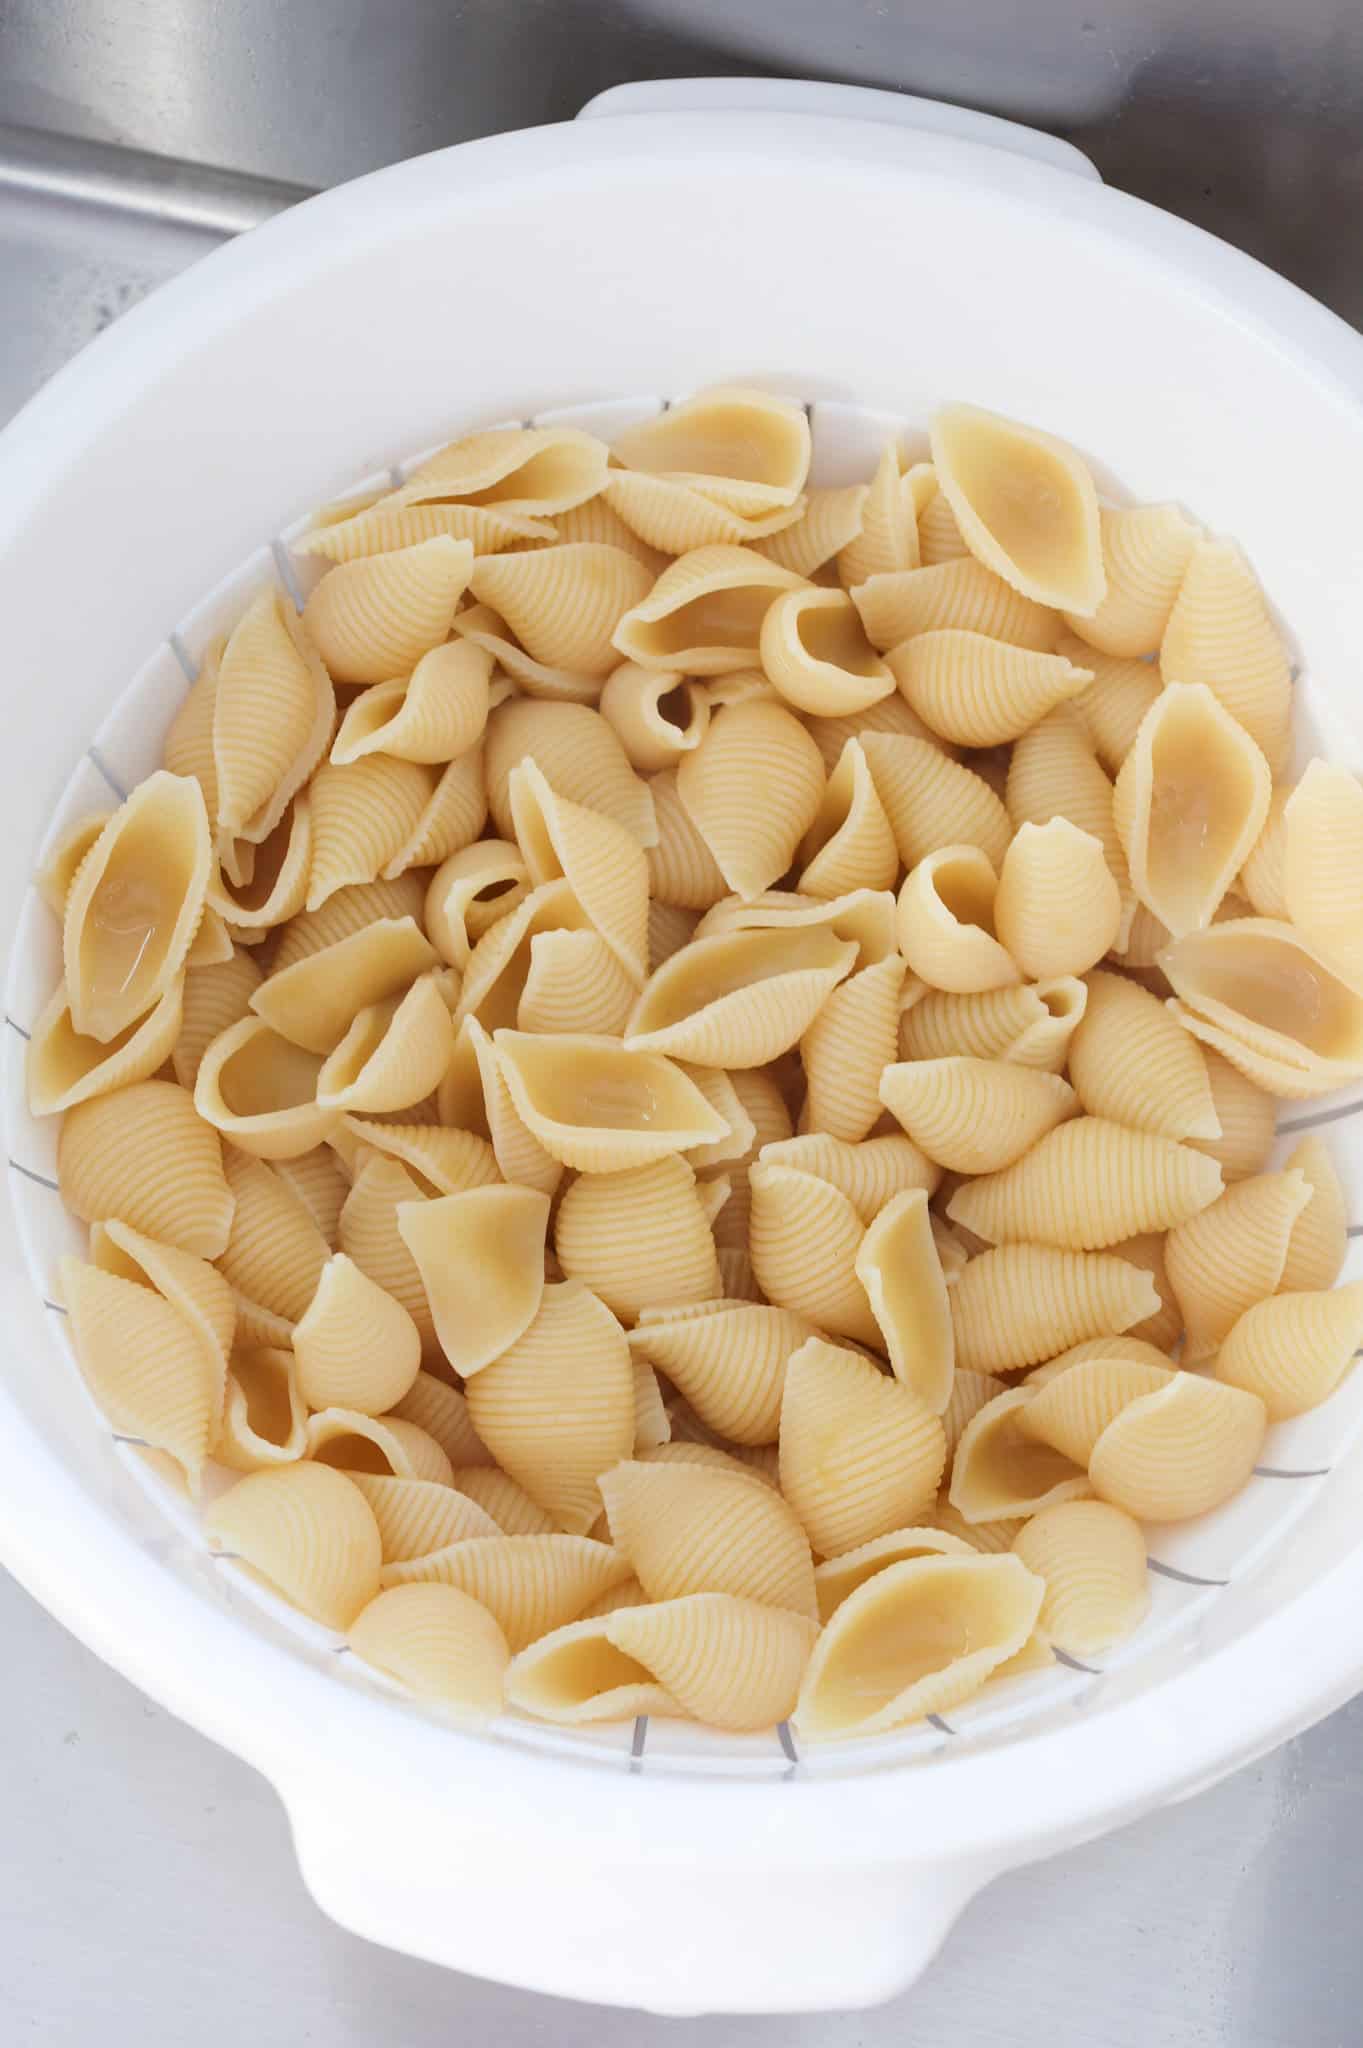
(739, 1138)
(638, 1238)
(985, 1538)
(275, 1253)
(374, 618)
(1219, 633)
(740, 999)
(446, 1162)
(704, 614)
(1231, 1255)
(1092, 1560)
(314, 1002)
(393, 1054)
(1316, 1248)
(1146, 551)
(831, 522)
(804, 1238)
(356, 1347)
(599, 1107)
(1115, 704)
(353, 1442)
(1262, 878)
(575, 985)
(729, 1362)
(470, 892)
(652, 1424)
(816, 654)
(960, 595)
(1020, 1303)
(687, 1529)
(839, 1577)
(898, 1266)
(442, 1411)
(1293, 1350)
(575, 1675)
(439, 1644)
(1058, 909)
(945, 923)
(1088, 1184)
(307, 1533)
(134, 905)
(861, 1454)
(516, 471)
(917, 1638)
(1130, 1062)
(277, 884)
(1146, 1249)
(451, 818)
(655, 714)
(1180, 1450)
(1247, 1115)
(681, 868)
(144, 1155)
(416, 1516)
(885, 537)
(154, 1372)
(520, 1156)
(845, 1048)
(499, 966)
(264, 1420)
(1025, 505)
(507, 1504)
(361, 815)
(342, 533)
(1322, 855)
(272, 713)
(556, 1407)
(1259, 993)
(939, 537)
(850, 845)
(603, 866)
(733, 1663)
(1071, 1411)
(1053, 774)
(531, 1584)
(438, 714)
(864, 916)
(519, 671)
(1191, 800)
(480, 1257)
(188, 746)
(347, 911)
(54, 878)
(369, 1233)
(830, 735)
(752, 790)
(974, 1115)
(1000, 1470)
(743, 448)
(672, 517)
(870, 1174)
(981, 692)
(970, 1391)
(63, 1067)
(563, 603)
(1031, 1027)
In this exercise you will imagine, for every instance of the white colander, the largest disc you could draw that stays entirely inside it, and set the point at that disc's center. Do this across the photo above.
(871, 256)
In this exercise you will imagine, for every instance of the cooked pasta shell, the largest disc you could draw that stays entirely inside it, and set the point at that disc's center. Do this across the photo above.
(369, 1234)
(745, 449)
(831, 522)
(442, 1411)
(1025, 504)
(1247, 1115)
(1219, 633)
(1113, 707)
(575, 984)
(652, 1424)
(686, 1451)
(575, 1675)
(845, 1048)
(1020, 1303)
(343, 533)
(153, 1372)
(1262, 879)
(374, 618)
(188, 745)
(451, 818)
(850, 845)
(1088, 1184)
(1231, 1255)
(672, 517)
(314, 1002)
(898, 1266)
(54, 878)
(1130, 1062)
(393, 1054)
(62, 1067)
(347, 911)
(1071, 1411)
(839, 1577)
(686, 1529)
(515, 671)
(437, 715)
(508, 1505)
(1092, 1560)
(499, 966)
(656, 715)
(740, 999)
(704, 614)
(416, 1516)
(563, 603)
(1316, 1248)
(1165, 1327)
(144, 1155)
(307, 1533)
(729, 1362)
(1146, 551)
(861, 1454)
(739, 1138)
(1322, 856)
(134, 906)
(1030, 1027)
(519, 1154)
(445, 1162)
(939, 537)
(987, 1538)
(1058, 909)
(917, 1638)
(602, 864)
(752, 789)
(1293, 1350)
(1259, 993)
(480, 1257)
(361, 815)
(1191, 800)
(974, 1115)
(869, 1174)
(356, 1347)
(264, 1421)
(272, 713)
(1053, 774)
(531, 1584)
(1180, 1450)
(470, 892)
(275, 1254)
(735, 1664)
(945, 923)
(352, 1442)
(830, 735)
(804, 1238)
(981, 692)
(438, 1644)
(638, 1238)
(681, 868)
(865, 916)
(600, 1108)
(816, 654)
(960, 595)
(277, 884)
(1001, 1471)
(970, 1391)
(517, 471)
(556, 1408)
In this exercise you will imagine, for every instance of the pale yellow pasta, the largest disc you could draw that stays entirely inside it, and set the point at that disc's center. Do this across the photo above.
(479, 1256)
(307, 1533)
(865, 916)
(861, 1454)
(830, 524)
(1086, 1185)
(870, 1174)
(989, 1538)
(1115, 703)
(437, 714)
(1053, 773)
(733, 1663)
(839, 1577)
(917, 1638)
(446, 1162)
(563, 603)
(515, 470)
(752, 789)
(275, 1253)
(970, 1391)
(1316, 1248)
(516, 671)
(499, 965)
(729, 1362)
(452, 816)
(738, 1140)
(143, 1155)
(439, 1645)
(356, 1347)
(153, 1372)
(271, 880)
(816, 654)
(1219, 633)
(688, 1529)
(974, 1115)
(314, 1002)
(264, 1418)
(744, 448)
(957, 595)
(1025, 505)
(682, 870)
(347, 911)
(1231, 1255)
(850, 844)
(1146, 551)
(1030, 1027)
(704, 614)
(939, 537)
(1000, 1471)
(979, 692)
(192, 1287)
(579, 754)
(575, 1675)
(417, 1516)
(342, 533)
(1092, 1384)
(830, 735)
(846, 1047)
(1165, 1326)
(352, 1442)
(597, 1106)
(1057, 910)
(54, 878)
(1130, 1062)
(1257, 992)
(602, 864)
(261, 1092)
(656, 715)
(673, 517)
(1293, 1350)
(519, 1154)
(1321, 858)
(1247, 1115)
(740, 999)
(63, 1067)
(470, 892)
(393, 1054)
(652, 1424)
(885, 537)
(804, 1237)
(442, 1411)
(509, 1505)
(1021, 1303)
(575, 984)
(1180, 1450)
(530, 1583)
(272, 711)
(898, 1265)
(374, 618)
(945, 923)
(1262, 878)
(1091, 1558)
(361, 815)
(638, 1238)
(369, 1233)
(188, 747)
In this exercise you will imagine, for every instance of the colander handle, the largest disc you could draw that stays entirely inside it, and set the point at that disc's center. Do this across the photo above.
(840, 102)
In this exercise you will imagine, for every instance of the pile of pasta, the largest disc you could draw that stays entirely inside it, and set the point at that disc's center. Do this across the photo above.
(673, 1082)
